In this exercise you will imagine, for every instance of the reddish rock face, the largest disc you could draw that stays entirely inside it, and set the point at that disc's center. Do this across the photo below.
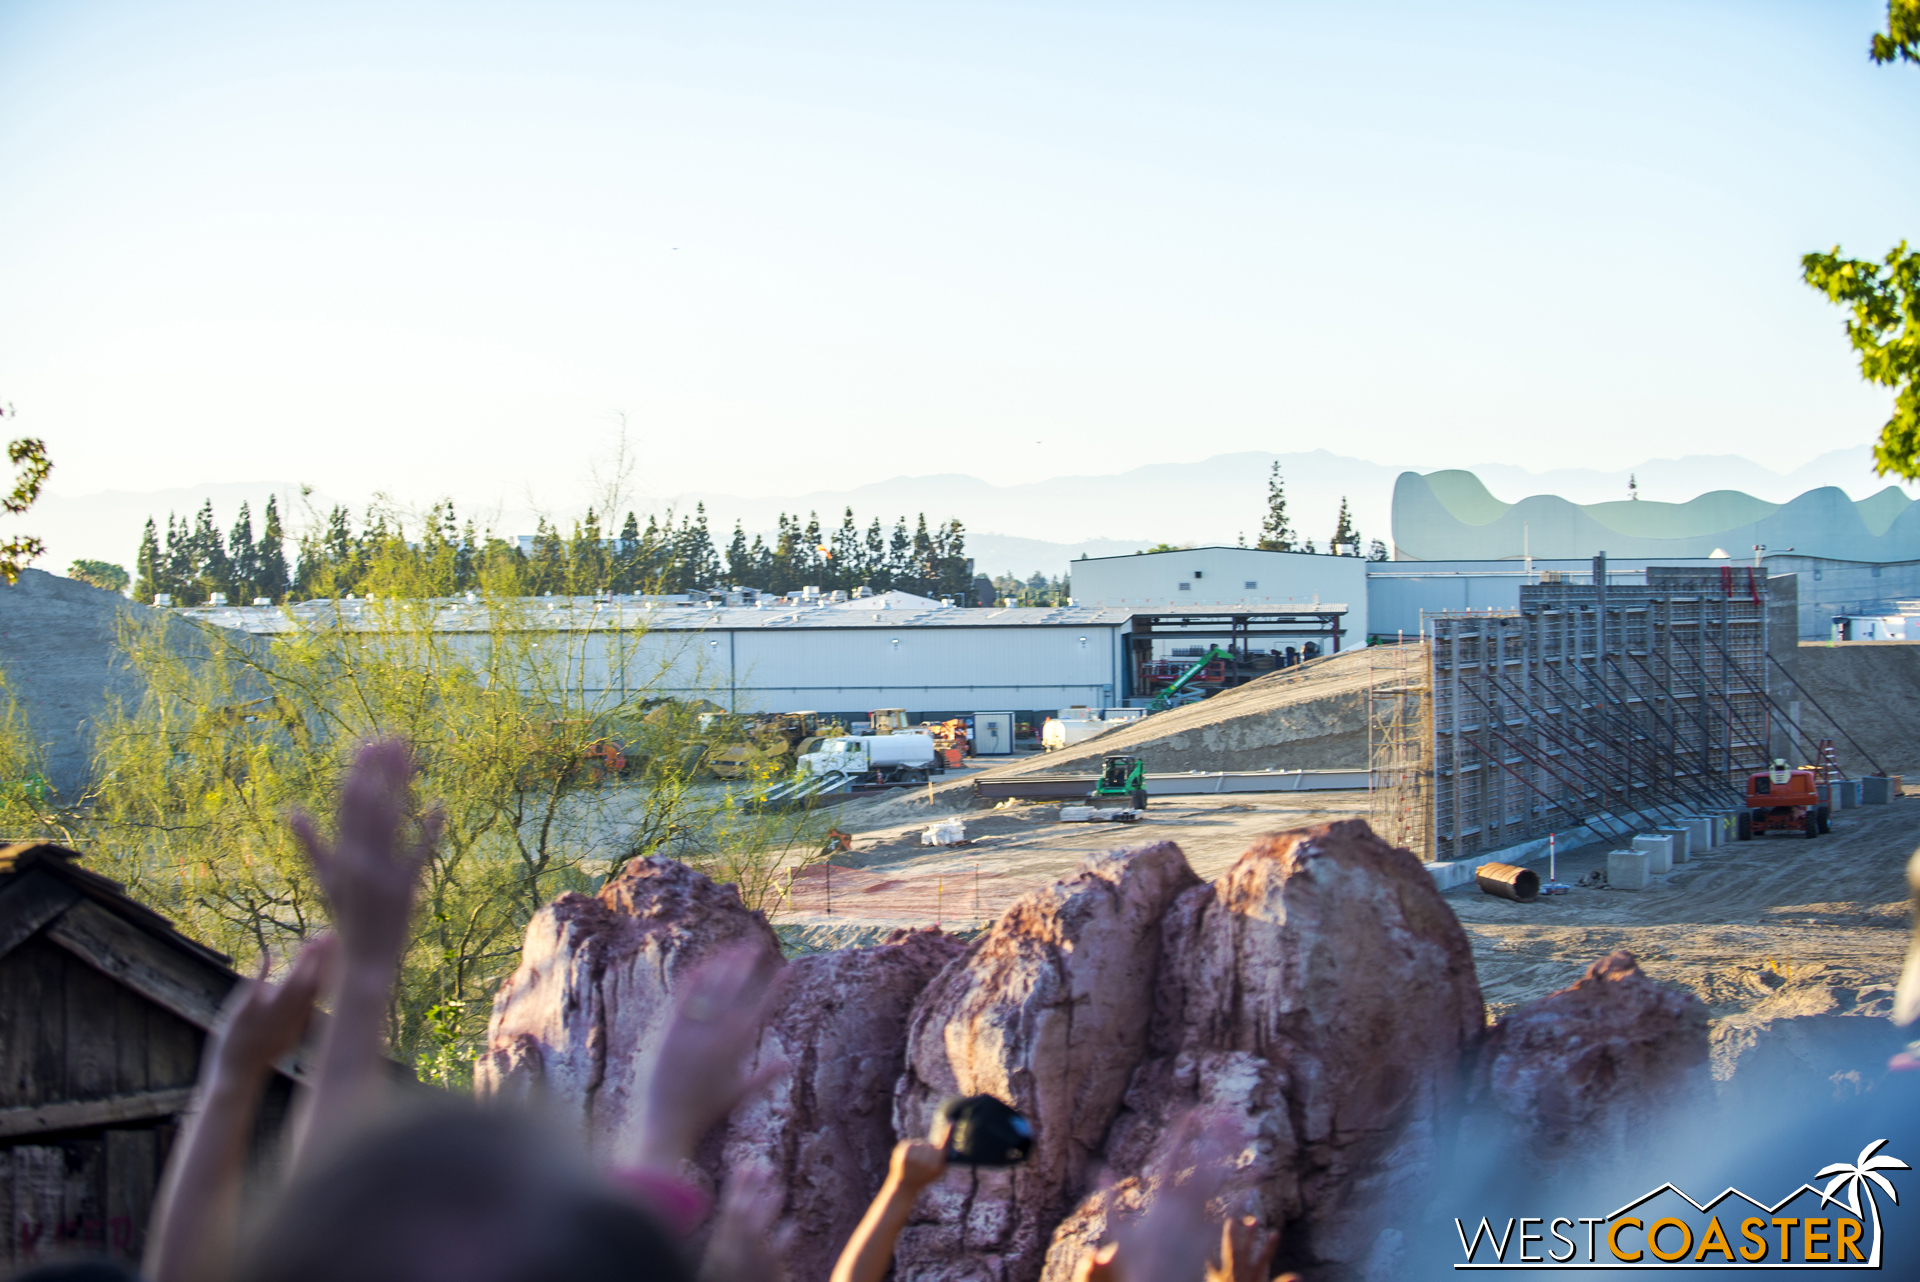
(576, 1023)
(1321, 990)
(1048, 1011)
(840, 1019)
(1577, 1076)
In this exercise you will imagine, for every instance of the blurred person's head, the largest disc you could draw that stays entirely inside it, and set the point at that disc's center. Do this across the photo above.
(456, 1195)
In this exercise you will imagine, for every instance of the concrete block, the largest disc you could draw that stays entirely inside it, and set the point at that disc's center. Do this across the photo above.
(1847, 792)
(1629, 869)
(1657, 847)
(1682, 841)
(1699, 835)
(1878, 790)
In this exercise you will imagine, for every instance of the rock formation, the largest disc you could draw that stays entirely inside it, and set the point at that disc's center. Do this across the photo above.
(1576, 1076)
(840, 1019)
(1048, 1011)
(1322, 995)
(574, 1024)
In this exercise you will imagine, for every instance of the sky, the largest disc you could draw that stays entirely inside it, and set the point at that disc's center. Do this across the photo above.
(433, 249)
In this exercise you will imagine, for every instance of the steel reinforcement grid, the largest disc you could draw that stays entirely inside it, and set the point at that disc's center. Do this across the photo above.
(1597, 706)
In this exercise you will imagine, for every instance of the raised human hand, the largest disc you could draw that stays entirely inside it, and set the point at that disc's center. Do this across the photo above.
(367, 871)
(700, 1072)
(261, 1022)
(916, 1164)
(1246, 1254)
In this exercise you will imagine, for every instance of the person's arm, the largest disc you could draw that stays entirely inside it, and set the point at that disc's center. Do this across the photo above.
(196, 1213)
(916, 1164)
(369, 876)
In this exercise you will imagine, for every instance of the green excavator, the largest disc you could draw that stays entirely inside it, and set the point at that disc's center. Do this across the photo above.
(1177, 694)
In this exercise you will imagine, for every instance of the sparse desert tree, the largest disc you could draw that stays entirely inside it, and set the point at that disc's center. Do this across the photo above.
(510, 728)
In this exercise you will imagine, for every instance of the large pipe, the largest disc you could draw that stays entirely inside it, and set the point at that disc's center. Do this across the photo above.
(1509, 881)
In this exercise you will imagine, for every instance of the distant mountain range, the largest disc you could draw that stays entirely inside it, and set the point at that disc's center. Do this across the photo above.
(1036, 525)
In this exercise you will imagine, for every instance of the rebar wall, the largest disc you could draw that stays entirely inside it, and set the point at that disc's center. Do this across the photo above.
(1594, 703)
(1400, 745)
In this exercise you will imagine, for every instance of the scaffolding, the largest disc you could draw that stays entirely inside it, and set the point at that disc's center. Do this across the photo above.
(1399, 744)
(1594, 704)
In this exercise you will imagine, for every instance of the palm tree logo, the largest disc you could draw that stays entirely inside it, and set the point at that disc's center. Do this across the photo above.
(1854, 1176)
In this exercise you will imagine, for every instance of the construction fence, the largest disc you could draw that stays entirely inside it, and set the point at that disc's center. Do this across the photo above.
(1591, 702)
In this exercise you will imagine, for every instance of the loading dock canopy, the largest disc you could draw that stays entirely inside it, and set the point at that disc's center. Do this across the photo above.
(1244, 625)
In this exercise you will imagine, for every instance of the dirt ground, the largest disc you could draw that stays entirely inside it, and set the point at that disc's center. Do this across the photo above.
(1765, 931)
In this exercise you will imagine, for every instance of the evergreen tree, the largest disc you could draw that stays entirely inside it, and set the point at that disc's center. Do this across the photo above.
(762, 556)
(587, 568)
(1343, 532)
(270, 554)
(875, 572)
(900, 557)
(149, 567)
(1376, 551)
(547, 566)
(215, 572)
(626, 577)
(245, 558)
(699, 563)
(1276, 535)
(182, 578)
(813, 564)
(846, 555)
(739, 558)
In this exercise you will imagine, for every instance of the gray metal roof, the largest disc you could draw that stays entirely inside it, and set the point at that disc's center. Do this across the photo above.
(580, 613)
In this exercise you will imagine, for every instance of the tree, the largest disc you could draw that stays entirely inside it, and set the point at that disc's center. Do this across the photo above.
(101, 574)
(29, 454)
(149, 565)
(1376, 551)
(244, 557)
(1276, 535)
(1884, 296)
(270, 554)
(192, 821)
(1344, 535)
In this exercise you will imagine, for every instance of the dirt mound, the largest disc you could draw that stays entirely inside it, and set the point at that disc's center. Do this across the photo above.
(1312, 717)
(1872, 689)
(57, 649)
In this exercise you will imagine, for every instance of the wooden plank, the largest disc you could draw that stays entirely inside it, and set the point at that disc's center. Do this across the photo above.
(83, 1220)
(172, 1049)
(130, 1041)
(29, 904)
(33, 1020)
(133, 1172)
(38, 1174)
(93, 1002)
(74, 1115)
(189, 988)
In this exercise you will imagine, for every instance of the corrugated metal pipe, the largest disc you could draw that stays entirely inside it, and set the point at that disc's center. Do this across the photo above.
(1509, 881)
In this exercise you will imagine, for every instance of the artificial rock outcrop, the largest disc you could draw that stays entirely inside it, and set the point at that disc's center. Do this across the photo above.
(576, 1023)
(840, 1021)
(1319, 1001)
(1048, 1012)
(1571, 1080)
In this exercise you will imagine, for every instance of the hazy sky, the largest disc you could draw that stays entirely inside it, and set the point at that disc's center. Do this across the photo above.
(440, 247)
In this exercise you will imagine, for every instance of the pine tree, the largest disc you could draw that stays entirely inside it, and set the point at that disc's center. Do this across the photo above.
(587, 568)
(245, 559)
(875, 572)
(739, 557)
(270, 554)
(627, 552)
(846, 555)
(547, 567)
(149, 567)
(214, 571)
(900, 556)
(1343, 532)
(1276, 535)
(1376, 551)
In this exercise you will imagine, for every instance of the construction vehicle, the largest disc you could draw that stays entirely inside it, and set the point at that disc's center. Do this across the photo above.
(765, 745)
(1178, 693)
(887, 721)
(1783, 800)
(950, 741)
(904, 757)
(1121, 776)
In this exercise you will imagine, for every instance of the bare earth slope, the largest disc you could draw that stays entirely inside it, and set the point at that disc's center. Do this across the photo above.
(1313, 717)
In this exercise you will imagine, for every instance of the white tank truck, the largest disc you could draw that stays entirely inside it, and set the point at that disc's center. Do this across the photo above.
(874, 758)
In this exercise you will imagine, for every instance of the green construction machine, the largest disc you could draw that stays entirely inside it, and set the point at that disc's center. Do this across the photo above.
(1177, 694)
(1121, 778)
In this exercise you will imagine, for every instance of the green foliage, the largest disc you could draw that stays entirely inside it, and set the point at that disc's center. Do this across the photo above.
(29, 807)
(1884, 296)
(1344, 533)
(29, 454)
(101, 574)
(1276, 534)
(1162, 547)
(1902, 36)
(1377, 551)
(1036, 590)
(195, 781)
(1884, 299)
